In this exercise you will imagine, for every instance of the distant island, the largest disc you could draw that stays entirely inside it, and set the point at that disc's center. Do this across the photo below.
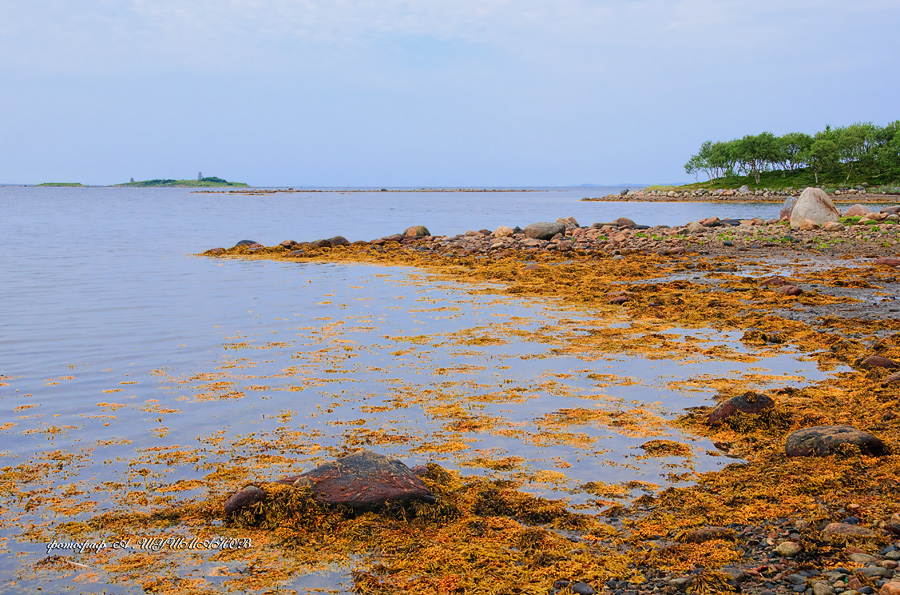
(210, 182)
(62, 184)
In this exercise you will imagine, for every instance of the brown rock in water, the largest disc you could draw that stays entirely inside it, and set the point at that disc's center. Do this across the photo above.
(877, 361)
(890, 261)
(215, 251)
(339, 241)
(892, 379)
(625, 222)
(245, 497)
(363, 481)
(619, 297)
(749, 403)
(825, 440)
(847, 529)
(710, 222)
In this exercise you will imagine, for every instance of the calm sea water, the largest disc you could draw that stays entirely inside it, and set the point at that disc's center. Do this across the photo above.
(103, 301)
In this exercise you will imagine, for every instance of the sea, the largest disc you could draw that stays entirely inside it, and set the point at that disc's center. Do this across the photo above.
(118, 339)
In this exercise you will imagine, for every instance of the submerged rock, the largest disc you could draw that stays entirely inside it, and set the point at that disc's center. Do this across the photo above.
(825, 440)
(245, 243)
(246, 496)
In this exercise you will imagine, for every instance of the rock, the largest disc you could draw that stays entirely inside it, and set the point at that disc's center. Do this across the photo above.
(890, 588)
(681, 583)
(814, 205)
(858, 558)
(339, 241)
(544, 230)
(785, 213)
(710, 222)
(569, 222)
(745, 189)
(790, 290)
(893, 378)
(288, 244)
(695, 227)
(708, 534)
(623, 192)
(825, 440)
(246, 496)
(503, 232)
(807, 225)
(822, 588)
(894, 262)
(322, 243)
(245, 243)
(788, 549)
(833, 226)
(848, 530)
(750, 403)
(775, 281)
(877, 361)
(619, 297)
(625, 222)
(416, 231)
(566, 586)
(215, 251)
(890, 210)
(296, 253)
(363, 481)
(857, 211)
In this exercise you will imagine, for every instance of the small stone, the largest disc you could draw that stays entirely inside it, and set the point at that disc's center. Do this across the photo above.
(543, 230)
(808, 225)
(788, 549)
(890, 588)
(833, 226)
(862, 558)
(681, 582)
(790, 290)
(886, 260)
(877, 572)
(822, 588)
(245, 243)
(503, 232)
(625, 222)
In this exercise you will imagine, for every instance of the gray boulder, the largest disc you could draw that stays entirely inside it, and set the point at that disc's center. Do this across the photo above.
(814, 205)
(543, 230)
(785, 213)
(825, 440)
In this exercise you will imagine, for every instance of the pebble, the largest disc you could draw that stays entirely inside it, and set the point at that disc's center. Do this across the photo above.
(788, 549)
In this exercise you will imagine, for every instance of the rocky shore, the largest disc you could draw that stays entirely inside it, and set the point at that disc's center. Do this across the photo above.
(850, 195)
(813, 505)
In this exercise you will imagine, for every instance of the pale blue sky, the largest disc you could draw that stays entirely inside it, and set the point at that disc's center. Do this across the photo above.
(425, 92)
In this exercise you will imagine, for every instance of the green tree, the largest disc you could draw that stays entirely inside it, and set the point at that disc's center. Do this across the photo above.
(792, 147)
(823, 153)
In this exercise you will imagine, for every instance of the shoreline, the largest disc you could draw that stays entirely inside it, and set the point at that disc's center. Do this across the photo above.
(774, 522)
(850, 197)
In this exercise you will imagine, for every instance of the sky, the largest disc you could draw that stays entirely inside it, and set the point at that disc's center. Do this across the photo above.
(425, 92)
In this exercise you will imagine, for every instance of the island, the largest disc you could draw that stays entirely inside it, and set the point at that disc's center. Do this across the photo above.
(200, 182)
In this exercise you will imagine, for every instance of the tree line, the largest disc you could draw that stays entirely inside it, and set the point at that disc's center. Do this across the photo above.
(859, 150)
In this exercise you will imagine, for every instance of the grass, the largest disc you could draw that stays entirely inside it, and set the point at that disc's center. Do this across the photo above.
(798, 179)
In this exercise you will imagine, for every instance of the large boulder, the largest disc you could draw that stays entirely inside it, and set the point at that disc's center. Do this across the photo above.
(815, 206)
(543, 230)
(825, 440)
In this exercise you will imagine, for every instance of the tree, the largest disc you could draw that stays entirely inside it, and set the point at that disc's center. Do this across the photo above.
(823, 155)
(700, 162)
(792, 148)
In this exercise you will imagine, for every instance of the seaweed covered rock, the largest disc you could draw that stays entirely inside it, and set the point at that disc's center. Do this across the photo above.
(825, 440)
(750, 403)
(416, 231)
(363, 480)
